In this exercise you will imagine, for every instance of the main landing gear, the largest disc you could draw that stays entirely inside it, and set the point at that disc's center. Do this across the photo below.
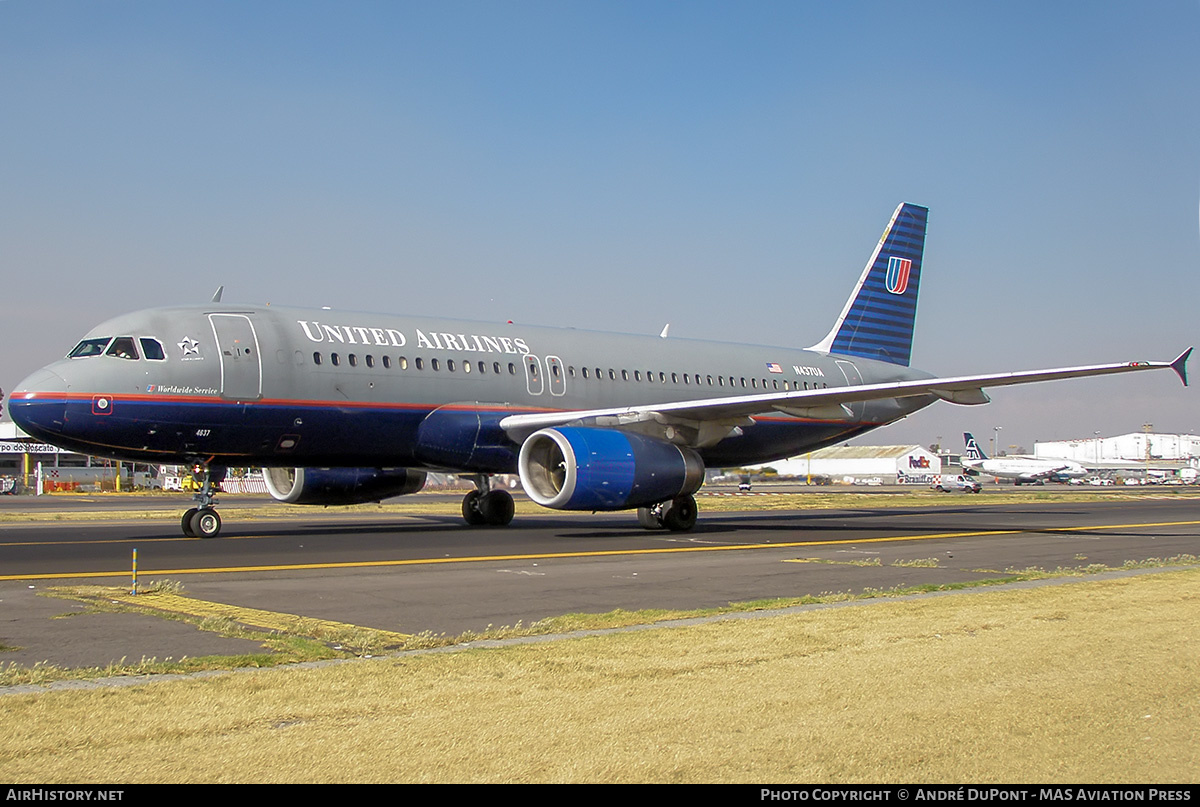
(203, 521)
(483, 506)
(677, 515)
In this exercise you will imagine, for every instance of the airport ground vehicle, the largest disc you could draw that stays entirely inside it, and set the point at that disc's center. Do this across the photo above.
(953, 482)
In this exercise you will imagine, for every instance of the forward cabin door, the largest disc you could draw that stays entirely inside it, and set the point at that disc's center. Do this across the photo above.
(241, 359)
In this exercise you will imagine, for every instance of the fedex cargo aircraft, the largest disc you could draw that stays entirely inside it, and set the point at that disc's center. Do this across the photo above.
(342, 407)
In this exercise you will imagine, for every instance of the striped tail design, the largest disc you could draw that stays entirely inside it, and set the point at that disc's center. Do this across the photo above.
(878, 320)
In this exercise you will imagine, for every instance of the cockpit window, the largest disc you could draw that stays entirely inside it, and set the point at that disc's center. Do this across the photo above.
(89, 347)
(123, 348)
(152, 349)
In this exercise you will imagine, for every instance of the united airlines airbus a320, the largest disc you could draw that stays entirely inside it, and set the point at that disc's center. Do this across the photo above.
(344, 408)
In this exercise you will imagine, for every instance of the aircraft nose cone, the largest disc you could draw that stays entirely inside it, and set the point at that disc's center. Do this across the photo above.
(38, 403)
(43, 380)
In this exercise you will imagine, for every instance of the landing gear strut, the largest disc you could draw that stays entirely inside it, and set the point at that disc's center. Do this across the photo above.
(483, 506)
(203, 521)
(677, 515)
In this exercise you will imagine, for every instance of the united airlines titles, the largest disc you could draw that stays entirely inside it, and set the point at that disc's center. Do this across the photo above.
(390, 337)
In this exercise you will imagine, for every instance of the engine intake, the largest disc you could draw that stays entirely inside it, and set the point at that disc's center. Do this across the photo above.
(580, 468)
(341, 485)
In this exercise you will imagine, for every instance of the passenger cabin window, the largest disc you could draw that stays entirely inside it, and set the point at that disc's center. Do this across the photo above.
(123, 348)
(152, 349)
(89, 347)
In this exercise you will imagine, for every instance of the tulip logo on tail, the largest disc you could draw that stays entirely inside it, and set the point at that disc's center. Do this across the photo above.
(897, 275)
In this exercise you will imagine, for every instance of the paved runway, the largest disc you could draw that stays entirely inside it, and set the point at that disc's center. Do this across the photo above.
(432, 573)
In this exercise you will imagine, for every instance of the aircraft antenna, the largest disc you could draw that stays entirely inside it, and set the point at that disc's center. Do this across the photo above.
(217, 296)
(666, 328)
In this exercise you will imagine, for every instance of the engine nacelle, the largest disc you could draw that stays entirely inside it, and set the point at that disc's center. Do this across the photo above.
(579, 468)
(332, 486)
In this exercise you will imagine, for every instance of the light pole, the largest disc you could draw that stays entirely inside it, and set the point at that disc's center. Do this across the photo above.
(996, 441)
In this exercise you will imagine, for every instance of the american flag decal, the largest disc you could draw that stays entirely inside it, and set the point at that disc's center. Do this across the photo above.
(772, 367)
(897, 275)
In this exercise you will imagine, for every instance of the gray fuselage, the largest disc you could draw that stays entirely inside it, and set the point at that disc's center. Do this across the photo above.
(245, 385)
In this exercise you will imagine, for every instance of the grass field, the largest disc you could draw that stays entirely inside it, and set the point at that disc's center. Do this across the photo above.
(1096, 681)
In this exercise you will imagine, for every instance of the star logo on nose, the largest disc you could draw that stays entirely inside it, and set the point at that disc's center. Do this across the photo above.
(189, 346)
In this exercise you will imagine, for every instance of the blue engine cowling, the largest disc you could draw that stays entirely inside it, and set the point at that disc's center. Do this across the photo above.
(579, 468)
(332, 486)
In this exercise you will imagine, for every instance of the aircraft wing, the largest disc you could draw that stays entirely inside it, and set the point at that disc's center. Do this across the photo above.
(1046, 473)
(712, 419)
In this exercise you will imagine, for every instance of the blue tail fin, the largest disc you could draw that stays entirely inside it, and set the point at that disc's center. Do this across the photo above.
(974, 452)
(878, 320)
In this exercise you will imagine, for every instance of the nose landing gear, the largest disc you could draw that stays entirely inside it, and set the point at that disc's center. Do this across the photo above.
(203, 521)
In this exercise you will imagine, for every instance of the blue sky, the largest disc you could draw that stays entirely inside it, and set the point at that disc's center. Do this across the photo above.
(725, 167)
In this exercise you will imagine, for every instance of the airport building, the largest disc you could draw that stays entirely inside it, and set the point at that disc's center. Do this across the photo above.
(912, 464)
(23, 458)
(1132, 447)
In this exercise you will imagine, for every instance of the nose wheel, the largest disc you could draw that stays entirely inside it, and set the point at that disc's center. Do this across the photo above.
(203, 521)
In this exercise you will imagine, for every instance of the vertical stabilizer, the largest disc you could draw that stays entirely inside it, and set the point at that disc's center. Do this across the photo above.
(973, 452)
(878, 320)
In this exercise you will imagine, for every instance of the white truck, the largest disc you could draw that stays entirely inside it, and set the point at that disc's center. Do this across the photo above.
(952, 482)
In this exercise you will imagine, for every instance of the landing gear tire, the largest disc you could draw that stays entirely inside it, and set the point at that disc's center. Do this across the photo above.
(186, 522)
(497, 508)
(648, 519)
(484, 506)
(206, 523)
(203, 521)
(470, 509)
(679, 515)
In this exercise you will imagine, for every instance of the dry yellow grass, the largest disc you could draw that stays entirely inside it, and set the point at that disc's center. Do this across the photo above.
(1094, 681)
